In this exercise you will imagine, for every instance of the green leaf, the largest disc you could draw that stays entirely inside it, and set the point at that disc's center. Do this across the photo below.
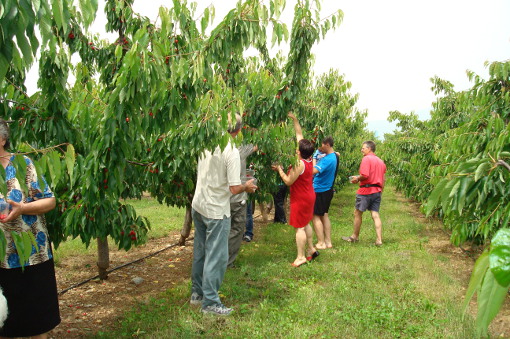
(118, 53)
(21, 171)
(482, 170)
(3, 186)
(3, 246)
(465, 183)
(490, 299)
(70, 160)
(24, 45)
(499, 256)
(481, 266)
(435, 196)
(4, 65)
(58, 12)
(54, 165)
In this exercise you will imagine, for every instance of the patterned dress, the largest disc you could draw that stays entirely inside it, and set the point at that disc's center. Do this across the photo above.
(37, 189)
(302, 197)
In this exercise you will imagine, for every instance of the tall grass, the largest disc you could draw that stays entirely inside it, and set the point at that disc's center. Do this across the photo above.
(353, 290)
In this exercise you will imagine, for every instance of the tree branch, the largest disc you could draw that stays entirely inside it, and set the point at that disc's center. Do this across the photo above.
(503, 163)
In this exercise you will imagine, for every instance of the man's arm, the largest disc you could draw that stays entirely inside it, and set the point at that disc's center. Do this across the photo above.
(297, 126)
(249, 187)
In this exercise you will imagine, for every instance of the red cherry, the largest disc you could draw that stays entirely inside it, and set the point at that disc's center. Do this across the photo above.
(105, 187)
(148, 149)
(176, 41)
(127, 119)
(105, 170)
(133, 238)
(71, 35)
(159, 139)
(121, 232)
(132, 233)
(150, 113)
(205, 80)
(105, 181)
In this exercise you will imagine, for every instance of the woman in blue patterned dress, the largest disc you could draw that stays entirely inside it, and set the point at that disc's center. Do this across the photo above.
(30, 287)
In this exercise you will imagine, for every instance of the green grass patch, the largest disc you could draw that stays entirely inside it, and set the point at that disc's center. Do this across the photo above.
(353, 290)
(163, 220)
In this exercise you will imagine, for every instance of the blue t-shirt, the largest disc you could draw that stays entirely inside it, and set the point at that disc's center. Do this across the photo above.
(326, 164)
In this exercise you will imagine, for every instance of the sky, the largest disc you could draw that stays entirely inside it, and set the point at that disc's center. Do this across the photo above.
(389, 49)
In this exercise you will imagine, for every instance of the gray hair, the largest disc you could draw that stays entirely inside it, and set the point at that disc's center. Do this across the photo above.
(5, 133)
(238, 125)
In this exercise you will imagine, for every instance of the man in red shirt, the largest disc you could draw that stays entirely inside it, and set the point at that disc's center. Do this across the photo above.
(368, 196)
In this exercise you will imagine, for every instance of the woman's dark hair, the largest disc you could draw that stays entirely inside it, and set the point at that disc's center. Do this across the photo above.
(5, 132)
(306, 148)
(370, 144)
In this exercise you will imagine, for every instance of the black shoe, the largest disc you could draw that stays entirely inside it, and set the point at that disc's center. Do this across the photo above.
(247, 238)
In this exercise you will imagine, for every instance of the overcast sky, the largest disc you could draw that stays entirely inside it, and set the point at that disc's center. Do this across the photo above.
(389, 49)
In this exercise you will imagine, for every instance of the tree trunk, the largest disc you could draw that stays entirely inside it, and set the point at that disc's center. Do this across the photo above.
(186, 227)
(103, 257)
(263, 211)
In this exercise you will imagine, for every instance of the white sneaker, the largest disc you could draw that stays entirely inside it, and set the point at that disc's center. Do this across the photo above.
(219, 309)
(196, 299)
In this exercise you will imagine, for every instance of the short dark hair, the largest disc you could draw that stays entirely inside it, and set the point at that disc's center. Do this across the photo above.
(5, 133)
(306, 148)
(328, 140)
(232, 128)
(370, 144)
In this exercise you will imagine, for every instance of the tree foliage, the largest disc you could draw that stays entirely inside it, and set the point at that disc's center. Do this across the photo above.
(456, 164)
(143, 107)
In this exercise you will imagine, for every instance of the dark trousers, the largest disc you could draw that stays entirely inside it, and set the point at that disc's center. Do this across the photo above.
(279, 204)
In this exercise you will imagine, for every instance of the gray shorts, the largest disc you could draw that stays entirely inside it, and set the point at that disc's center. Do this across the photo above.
(370, 202)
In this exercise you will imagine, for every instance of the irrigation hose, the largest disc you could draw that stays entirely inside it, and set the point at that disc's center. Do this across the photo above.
(120, 266)
(126, 264)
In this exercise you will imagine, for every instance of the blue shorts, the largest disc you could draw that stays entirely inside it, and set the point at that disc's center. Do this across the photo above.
(370, 202)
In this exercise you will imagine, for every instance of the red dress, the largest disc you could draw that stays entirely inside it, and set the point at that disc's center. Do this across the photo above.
(302, 197)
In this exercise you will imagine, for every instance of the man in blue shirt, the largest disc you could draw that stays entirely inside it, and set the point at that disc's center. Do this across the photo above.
(324, 170)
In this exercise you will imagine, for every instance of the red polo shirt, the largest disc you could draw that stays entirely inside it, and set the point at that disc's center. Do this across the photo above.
(373, 169)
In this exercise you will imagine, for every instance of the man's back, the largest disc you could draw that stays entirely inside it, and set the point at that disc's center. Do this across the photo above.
(216, 172)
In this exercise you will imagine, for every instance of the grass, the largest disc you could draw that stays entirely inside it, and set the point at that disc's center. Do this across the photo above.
(352, 290)
(163, 219)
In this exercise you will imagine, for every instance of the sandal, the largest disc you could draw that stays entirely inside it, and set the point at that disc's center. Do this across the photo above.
(350, 239)
(313, 256)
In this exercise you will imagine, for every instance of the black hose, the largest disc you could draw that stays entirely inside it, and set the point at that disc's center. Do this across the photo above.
(119, 267)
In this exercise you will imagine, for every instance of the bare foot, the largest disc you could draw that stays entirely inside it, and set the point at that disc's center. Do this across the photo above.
(299, 262)
(330, 245)
(320, 246)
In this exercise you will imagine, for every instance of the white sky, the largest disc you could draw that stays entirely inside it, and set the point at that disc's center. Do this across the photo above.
(389, 49)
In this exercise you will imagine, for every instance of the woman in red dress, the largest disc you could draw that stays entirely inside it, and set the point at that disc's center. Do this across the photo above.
(302, 196)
